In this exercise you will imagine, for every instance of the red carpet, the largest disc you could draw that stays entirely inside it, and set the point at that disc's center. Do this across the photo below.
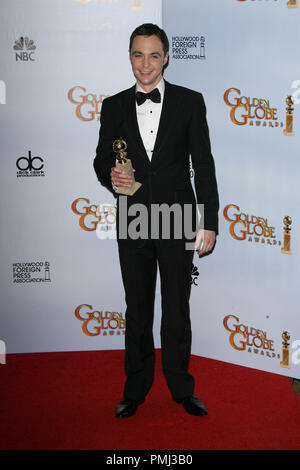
(66, 401)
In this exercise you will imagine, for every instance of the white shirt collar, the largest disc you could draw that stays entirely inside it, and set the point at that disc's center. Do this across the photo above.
(160, 86)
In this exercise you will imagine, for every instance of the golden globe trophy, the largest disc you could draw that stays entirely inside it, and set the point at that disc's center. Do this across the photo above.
(286, 249)
(119, 147)
(292, 4)
(289, 116)
(285, 350)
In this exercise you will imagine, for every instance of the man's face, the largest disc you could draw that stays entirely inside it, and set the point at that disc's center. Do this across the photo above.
(147, 59)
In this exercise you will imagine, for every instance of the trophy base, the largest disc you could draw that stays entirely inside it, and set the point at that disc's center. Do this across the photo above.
(285, 366)
(289, 252)
(127, 167)
(129, 191)
(289, 5)
(288, 133)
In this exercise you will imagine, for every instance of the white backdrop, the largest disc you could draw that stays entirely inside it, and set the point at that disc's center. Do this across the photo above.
(250, 47)
(52, 110)
(60, 279)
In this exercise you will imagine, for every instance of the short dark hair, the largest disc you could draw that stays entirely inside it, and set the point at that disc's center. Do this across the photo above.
(149, 29)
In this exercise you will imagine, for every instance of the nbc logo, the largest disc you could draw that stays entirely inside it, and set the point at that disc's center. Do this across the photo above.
(24, 48)
(194, 275)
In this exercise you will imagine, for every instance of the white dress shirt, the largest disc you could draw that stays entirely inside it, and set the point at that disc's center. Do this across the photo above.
(148, 116)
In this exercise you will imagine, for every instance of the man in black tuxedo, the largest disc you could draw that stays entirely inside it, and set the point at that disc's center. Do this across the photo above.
(162, 124)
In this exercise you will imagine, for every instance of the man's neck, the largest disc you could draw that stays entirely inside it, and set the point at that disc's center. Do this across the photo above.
(148, 89)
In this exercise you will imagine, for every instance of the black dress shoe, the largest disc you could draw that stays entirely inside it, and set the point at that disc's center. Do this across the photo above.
(194, 406)
(126, 408)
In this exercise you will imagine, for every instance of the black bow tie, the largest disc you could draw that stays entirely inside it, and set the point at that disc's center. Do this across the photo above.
(154, 96)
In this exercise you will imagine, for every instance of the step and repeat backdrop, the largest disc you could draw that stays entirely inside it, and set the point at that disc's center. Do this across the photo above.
(61, 286)
(243, 57)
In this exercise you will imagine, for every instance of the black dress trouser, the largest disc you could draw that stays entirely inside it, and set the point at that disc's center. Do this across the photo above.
(139, 270)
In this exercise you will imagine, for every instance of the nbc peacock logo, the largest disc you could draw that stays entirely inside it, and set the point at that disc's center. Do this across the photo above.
(194, 275)
(25, 49)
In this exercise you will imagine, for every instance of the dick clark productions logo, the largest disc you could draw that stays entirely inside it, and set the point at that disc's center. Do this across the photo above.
(30, 166)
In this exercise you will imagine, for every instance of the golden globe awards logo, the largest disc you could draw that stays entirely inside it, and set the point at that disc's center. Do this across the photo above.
(253, 228)
(255, 341)
(250, 111)
(245, 338)
(102, 322)
(101, 218)
(88, 105)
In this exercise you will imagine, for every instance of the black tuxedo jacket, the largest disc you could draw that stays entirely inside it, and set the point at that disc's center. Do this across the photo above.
(182, 131)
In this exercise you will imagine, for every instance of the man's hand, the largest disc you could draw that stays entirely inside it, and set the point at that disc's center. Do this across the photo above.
(120, 178)
(205, 241)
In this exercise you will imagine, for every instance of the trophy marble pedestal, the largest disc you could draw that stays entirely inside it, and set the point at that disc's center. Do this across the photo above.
(119, 147)
(289, 116)
(286, 249)
(127, 167)
(285, 362)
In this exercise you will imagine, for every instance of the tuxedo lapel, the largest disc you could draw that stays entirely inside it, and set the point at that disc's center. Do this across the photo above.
(168, 114)
(132, 124)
